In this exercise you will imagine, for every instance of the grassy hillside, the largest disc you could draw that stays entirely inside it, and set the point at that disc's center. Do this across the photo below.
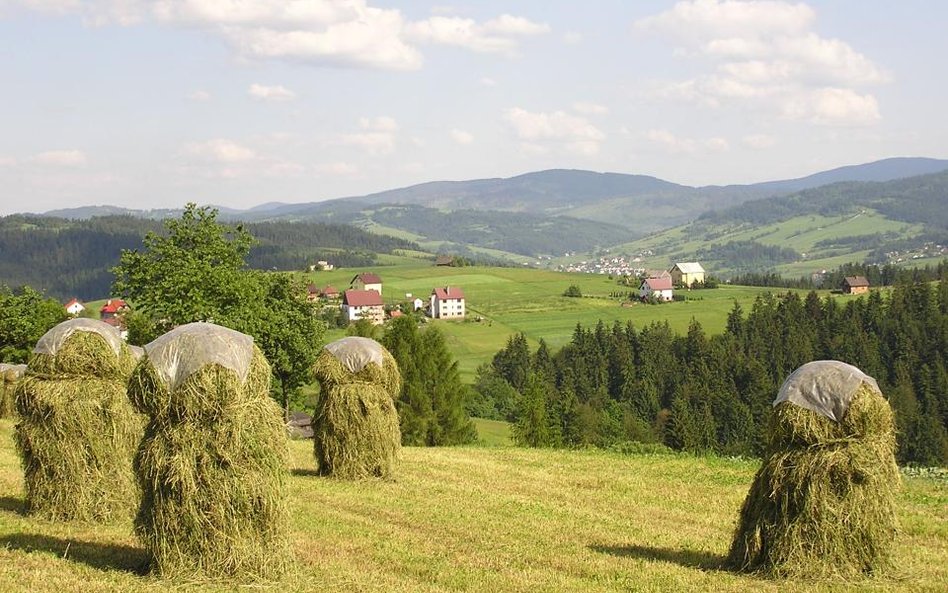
(527, 300)
(482, 519)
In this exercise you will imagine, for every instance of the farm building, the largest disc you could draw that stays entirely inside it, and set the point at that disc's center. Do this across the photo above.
(330, 292)
(660, 288)
(444, 260)
(113, 308)
(363, 304)
(74, 307)
(417, 305)
(312, 292)
(366, 281)
(447, 303)
(687, 273)
(855, 285)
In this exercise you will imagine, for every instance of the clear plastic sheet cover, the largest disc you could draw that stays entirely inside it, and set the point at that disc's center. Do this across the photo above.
(18, 369)
(54, 339)
(355, 352)
(185, 349)
(137, 351)
(825, 387)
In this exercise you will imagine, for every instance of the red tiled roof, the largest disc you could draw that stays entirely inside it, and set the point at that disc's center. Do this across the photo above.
(368, 278)
(330, 290)
(448, 292)
(311, 289)
(658, 283)
(362, 298)
(72, 302)
(113, 306)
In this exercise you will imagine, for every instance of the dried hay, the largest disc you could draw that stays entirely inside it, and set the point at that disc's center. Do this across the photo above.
(823, 503)
(77, 432)
(212, 468)
(9, 375)
(355, 424)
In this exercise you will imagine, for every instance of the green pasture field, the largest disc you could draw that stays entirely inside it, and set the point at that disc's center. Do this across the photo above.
(478, 519)
(493, 433)
(511, 300)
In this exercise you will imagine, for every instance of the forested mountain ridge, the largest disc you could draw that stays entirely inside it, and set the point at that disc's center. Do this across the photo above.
(73, 258)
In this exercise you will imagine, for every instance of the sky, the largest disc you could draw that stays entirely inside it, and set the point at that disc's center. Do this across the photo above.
(152, 104)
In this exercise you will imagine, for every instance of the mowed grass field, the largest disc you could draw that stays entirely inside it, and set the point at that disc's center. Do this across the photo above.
(482, 519)
(528, 300)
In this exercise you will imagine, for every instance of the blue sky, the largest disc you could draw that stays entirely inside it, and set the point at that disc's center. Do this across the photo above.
(240, 102)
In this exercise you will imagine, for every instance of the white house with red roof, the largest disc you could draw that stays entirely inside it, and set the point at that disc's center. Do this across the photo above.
(366, 281)
(112, 309)
(363, 304)
(659, 288)
(447, 303)
(74, 307)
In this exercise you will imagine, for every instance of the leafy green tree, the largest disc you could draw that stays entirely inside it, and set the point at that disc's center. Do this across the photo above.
(197, 272)
(573, 291)
(25, 315)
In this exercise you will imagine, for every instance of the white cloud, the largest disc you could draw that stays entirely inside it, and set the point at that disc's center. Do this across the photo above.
(765, 53)
(494, 36)
(758, 141)
(834, 107)
(461, 136)
(573, 133)
(200, 96)
(677, 145)
(220, 150)
(271, 93)
(60, 158)
(377, 136)
(588, 108)
(337, 168)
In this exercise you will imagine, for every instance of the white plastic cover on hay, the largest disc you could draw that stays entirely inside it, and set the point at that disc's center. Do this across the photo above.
(355, 352)
(137, 351)
(18, 369)
(825, 387)
(187, 348)
(54, 339)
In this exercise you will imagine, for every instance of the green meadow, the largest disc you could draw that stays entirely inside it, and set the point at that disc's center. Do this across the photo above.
(528, 300)
(478, 519)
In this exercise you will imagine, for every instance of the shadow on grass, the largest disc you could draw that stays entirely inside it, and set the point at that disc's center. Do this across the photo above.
(300, 471)
(687, 558)
(97, 555)
(13, 505)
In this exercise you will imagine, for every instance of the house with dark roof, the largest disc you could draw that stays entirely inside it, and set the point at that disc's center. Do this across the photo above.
(363, 304)
(659, 288)
(855, 285)
(366, 281)
(447, 303)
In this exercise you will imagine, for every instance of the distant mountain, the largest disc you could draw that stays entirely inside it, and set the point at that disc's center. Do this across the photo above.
(884, 170)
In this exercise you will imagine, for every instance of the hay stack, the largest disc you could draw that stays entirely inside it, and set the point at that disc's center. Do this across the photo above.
(77, 432)
(9, 375)
(823, 503)
(213, 464)
(355, 425)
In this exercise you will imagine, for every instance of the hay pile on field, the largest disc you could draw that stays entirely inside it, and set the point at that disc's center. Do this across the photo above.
(213, 463)
(9, 375)
(823, 503)
(355, 425)
(77, 432)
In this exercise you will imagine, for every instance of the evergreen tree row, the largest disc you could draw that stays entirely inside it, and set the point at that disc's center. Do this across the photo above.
(714, 394)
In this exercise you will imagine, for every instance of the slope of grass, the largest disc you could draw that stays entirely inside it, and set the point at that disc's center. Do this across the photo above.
(483, 519)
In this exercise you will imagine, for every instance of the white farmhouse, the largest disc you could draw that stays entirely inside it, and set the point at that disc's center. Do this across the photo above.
(660, 288)
(447, 303)
(74, 307)
(363, 304)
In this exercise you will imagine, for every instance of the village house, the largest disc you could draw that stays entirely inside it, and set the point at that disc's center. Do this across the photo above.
(444, 260)
(330, 292)
(687, 273)
(74, 307)
(312, 292)
(417, 304)
(659, 288)
(447, 303)
(855, 285)
(113, 313)
(321, 266)
(363, 304)
(366, 281)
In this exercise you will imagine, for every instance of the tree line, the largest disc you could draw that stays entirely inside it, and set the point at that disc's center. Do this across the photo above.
(73, 258)
(698, 393)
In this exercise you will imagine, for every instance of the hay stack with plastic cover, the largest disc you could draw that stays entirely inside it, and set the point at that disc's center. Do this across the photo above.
(77, 432)
(355, 425)
(9, 375)
(823, 503)
(212, 466)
